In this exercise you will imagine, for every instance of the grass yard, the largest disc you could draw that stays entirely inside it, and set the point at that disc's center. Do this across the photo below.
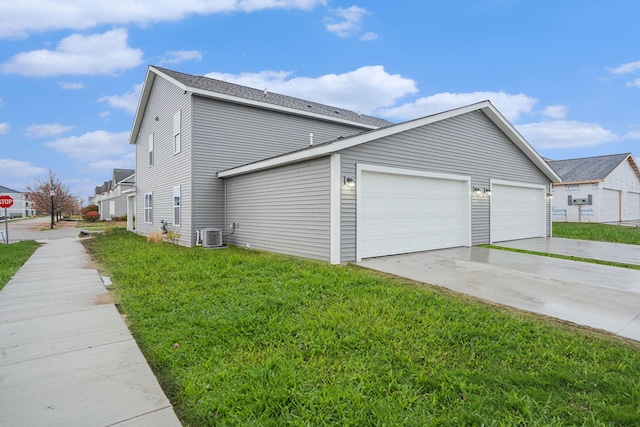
(12, 257)
(599, 232)
(241, 337)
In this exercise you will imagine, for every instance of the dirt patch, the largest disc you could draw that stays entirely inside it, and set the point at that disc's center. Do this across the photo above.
(104, 299)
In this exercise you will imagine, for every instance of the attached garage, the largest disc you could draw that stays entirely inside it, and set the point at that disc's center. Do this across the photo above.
(611, 205)
(518, 211)
(401, 211)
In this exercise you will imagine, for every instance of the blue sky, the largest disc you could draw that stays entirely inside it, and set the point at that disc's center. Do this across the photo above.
(566, 73)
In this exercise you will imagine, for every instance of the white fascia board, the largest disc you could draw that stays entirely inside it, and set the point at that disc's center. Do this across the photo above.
(498, 119)
(347, 142)
(142, 104)
(336, 193)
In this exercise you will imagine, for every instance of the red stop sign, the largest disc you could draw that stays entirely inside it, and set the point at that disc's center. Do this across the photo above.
(6, 201)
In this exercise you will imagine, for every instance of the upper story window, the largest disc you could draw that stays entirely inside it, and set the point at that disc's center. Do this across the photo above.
(177, 133)
(151, 149)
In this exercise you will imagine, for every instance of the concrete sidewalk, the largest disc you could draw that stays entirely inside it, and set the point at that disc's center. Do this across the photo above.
(602, 251)
(66, 356)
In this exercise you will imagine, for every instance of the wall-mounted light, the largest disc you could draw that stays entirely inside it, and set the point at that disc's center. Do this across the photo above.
(487, 191)
(348, 180)
(549, 196)
(477, 191)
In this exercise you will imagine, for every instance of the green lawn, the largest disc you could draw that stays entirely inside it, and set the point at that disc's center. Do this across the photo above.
(241, 337)
(12, 257)
(599, 232)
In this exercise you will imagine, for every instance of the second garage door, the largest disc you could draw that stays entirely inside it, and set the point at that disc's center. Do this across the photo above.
(402, 212)
(610, 205)
(518, 211)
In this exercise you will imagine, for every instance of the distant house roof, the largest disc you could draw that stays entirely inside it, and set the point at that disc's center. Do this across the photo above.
(588, 169)
(4, 189)
(342, 143)
(219, 89)
(120, 175)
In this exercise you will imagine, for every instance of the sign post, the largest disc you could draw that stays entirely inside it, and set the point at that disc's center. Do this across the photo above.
(6, 202)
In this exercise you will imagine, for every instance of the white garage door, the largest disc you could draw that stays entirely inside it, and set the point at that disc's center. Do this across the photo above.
(633, 206)
(518, 211)
(610, 205)
(402, 213)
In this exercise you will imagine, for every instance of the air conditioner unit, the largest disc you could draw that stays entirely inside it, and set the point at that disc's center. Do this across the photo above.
(211, 237)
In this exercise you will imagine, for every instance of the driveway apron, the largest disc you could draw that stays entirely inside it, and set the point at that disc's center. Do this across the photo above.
(597, 296)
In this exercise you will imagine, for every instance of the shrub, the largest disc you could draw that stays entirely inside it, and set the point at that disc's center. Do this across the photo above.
(90, 208)
(92, 216)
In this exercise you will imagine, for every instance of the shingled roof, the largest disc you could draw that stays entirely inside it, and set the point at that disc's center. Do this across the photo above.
(218, 86)
(587, 168)
(120, 175)
(4, 189)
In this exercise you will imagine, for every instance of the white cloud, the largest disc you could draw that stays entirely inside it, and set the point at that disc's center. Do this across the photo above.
(77, 54)
(565, 134)
(4, 128)
(126, 161)
(347, 21)
(365, 89)
(369, 37)
(71, 86)
(24, 17)
(93, 146)
(511, 106)
(634, 134)
(15, 168)
(180, 56)
(634, 83)
(127, 101)
(627, 68)
(555, 111)
(46, 130)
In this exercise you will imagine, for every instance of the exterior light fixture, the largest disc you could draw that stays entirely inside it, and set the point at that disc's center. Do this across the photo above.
(350, 181)
(477, 190)
(487, 191)
(549, 195)
(52, 193)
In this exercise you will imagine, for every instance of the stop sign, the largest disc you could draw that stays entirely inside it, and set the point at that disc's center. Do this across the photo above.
(6, 201)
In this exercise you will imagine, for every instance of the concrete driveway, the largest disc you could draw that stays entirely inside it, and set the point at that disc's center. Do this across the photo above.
(597, 296)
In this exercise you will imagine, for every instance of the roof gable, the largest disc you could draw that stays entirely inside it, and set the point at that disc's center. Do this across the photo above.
(587, 169)
(218, 89)
(342, 143)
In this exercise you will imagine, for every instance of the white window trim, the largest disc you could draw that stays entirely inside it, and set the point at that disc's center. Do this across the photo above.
(177, 132)
(151, 156)
(148, 209)
(176, 191)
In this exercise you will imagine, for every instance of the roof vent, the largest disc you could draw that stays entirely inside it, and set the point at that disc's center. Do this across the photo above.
(266, 92)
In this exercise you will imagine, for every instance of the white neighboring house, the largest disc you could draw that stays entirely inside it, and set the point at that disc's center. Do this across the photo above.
(22, 205)
(112, 200)
(596, 189)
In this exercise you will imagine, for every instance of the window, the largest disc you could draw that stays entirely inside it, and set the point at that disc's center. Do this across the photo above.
(151, 150)
(176, 205)
(176, 133)
(148, 208)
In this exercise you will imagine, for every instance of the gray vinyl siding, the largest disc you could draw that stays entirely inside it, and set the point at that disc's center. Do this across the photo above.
(169, 170)
(227, 135)
(468, 145)
(285, 209)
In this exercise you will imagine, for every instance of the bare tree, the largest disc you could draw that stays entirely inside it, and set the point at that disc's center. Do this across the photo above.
(63, 201)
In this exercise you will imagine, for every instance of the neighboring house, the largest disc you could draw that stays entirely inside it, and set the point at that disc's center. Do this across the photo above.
(291, 176)
(22, 206)
(113, 200)
(597, 189)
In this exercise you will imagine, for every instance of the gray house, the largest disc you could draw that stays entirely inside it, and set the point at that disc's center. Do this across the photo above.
(111, 197)
(597, 189)
(291, 176)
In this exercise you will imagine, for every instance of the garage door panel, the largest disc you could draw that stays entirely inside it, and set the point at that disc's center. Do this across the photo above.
(633, 206)
(610, 205)
(403, 213)
(517, 212)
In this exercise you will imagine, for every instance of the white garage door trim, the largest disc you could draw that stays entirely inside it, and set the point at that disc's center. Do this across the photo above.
(611, 205)
(534, 218)
(463, 236)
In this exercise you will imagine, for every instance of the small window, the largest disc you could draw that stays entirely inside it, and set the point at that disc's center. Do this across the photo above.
(176, 133)
(148, 208)
(176, 205)
(151, 150)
